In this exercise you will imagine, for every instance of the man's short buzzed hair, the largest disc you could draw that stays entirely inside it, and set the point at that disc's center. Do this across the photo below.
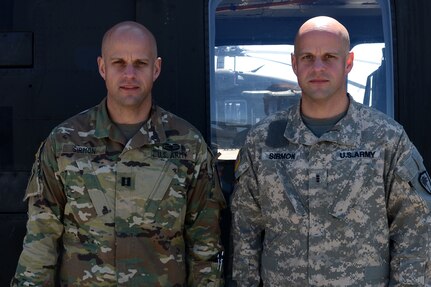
(128, 25)
(325, 23)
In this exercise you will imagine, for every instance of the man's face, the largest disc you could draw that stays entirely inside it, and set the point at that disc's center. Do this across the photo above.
(321, 63)
(129, 67)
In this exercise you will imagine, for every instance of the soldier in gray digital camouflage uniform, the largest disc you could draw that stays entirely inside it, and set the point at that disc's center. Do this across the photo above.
(330, 192)
(123, 194)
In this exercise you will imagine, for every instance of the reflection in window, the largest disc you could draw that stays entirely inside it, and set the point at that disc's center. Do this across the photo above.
(252, 76)
(368, 60)
(235, 112)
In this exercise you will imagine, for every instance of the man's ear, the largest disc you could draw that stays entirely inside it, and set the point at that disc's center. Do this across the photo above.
(349, 62)
(157, 68)
(294, 65)
(101, 65)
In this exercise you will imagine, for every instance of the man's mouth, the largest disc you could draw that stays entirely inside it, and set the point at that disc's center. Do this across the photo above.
(318, 81)
(129, 87)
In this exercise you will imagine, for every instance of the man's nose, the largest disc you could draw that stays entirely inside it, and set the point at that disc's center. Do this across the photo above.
(129, 71)
(318, 64)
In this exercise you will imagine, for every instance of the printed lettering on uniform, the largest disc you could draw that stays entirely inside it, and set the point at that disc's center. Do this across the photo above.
(277, 155)
(425, 181)
(357, 154)
(81, 149)
(170, 151)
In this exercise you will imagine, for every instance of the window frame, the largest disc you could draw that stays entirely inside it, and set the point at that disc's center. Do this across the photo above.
(386, 17)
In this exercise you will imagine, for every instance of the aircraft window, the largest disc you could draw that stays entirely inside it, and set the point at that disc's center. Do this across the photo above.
(368, 59)
(251, 75)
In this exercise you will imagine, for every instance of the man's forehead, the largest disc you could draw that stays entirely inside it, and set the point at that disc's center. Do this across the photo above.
(317, 32)
(318, 39)
(124, 56)
(131, 48)
(129, 54)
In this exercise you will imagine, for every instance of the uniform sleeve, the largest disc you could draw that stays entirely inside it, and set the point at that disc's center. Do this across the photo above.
(247, 228)
(409, 203)
(202, 225)
(37, 263)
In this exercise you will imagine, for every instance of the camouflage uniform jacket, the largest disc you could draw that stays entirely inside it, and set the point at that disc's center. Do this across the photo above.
(350, 208)
(106, 212)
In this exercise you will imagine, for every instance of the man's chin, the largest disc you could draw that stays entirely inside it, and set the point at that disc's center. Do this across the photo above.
(316, 94)
(133, 100)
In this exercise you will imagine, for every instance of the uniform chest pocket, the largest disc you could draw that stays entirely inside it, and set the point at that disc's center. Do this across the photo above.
(172, 204)
(283, 206)
(86, 197)
(161, 186)
(358, 188)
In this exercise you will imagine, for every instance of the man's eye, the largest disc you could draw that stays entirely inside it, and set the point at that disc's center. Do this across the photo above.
(307, 57)
(140, 63)
(118, 62)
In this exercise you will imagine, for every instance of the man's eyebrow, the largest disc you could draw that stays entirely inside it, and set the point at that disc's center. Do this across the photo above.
(304, 53)
(112, 58)
(326, 52)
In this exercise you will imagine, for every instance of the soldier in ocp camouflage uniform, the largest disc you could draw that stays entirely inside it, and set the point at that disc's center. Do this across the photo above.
(106, 210)
(341, 200)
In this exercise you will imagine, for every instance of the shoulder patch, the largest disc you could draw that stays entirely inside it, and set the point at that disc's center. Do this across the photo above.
(35, 184)
(425, 181)
(241, 163)
(414, 171)
(275, 137)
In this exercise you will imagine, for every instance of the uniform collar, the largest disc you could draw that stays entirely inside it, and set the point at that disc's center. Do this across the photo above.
(151, 132)
(346, 132)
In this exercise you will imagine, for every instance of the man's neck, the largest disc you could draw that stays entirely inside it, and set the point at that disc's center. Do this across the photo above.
(129, 114)
(324, 108)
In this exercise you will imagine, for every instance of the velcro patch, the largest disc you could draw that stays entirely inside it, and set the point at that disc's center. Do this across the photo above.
(352, 154)
(274, 155)
(81, 149)
(425, 181)
(171, 151)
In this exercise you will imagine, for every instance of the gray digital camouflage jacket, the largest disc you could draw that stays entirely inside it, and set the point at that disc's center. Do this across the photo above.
(350, 208)
(106, 212)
